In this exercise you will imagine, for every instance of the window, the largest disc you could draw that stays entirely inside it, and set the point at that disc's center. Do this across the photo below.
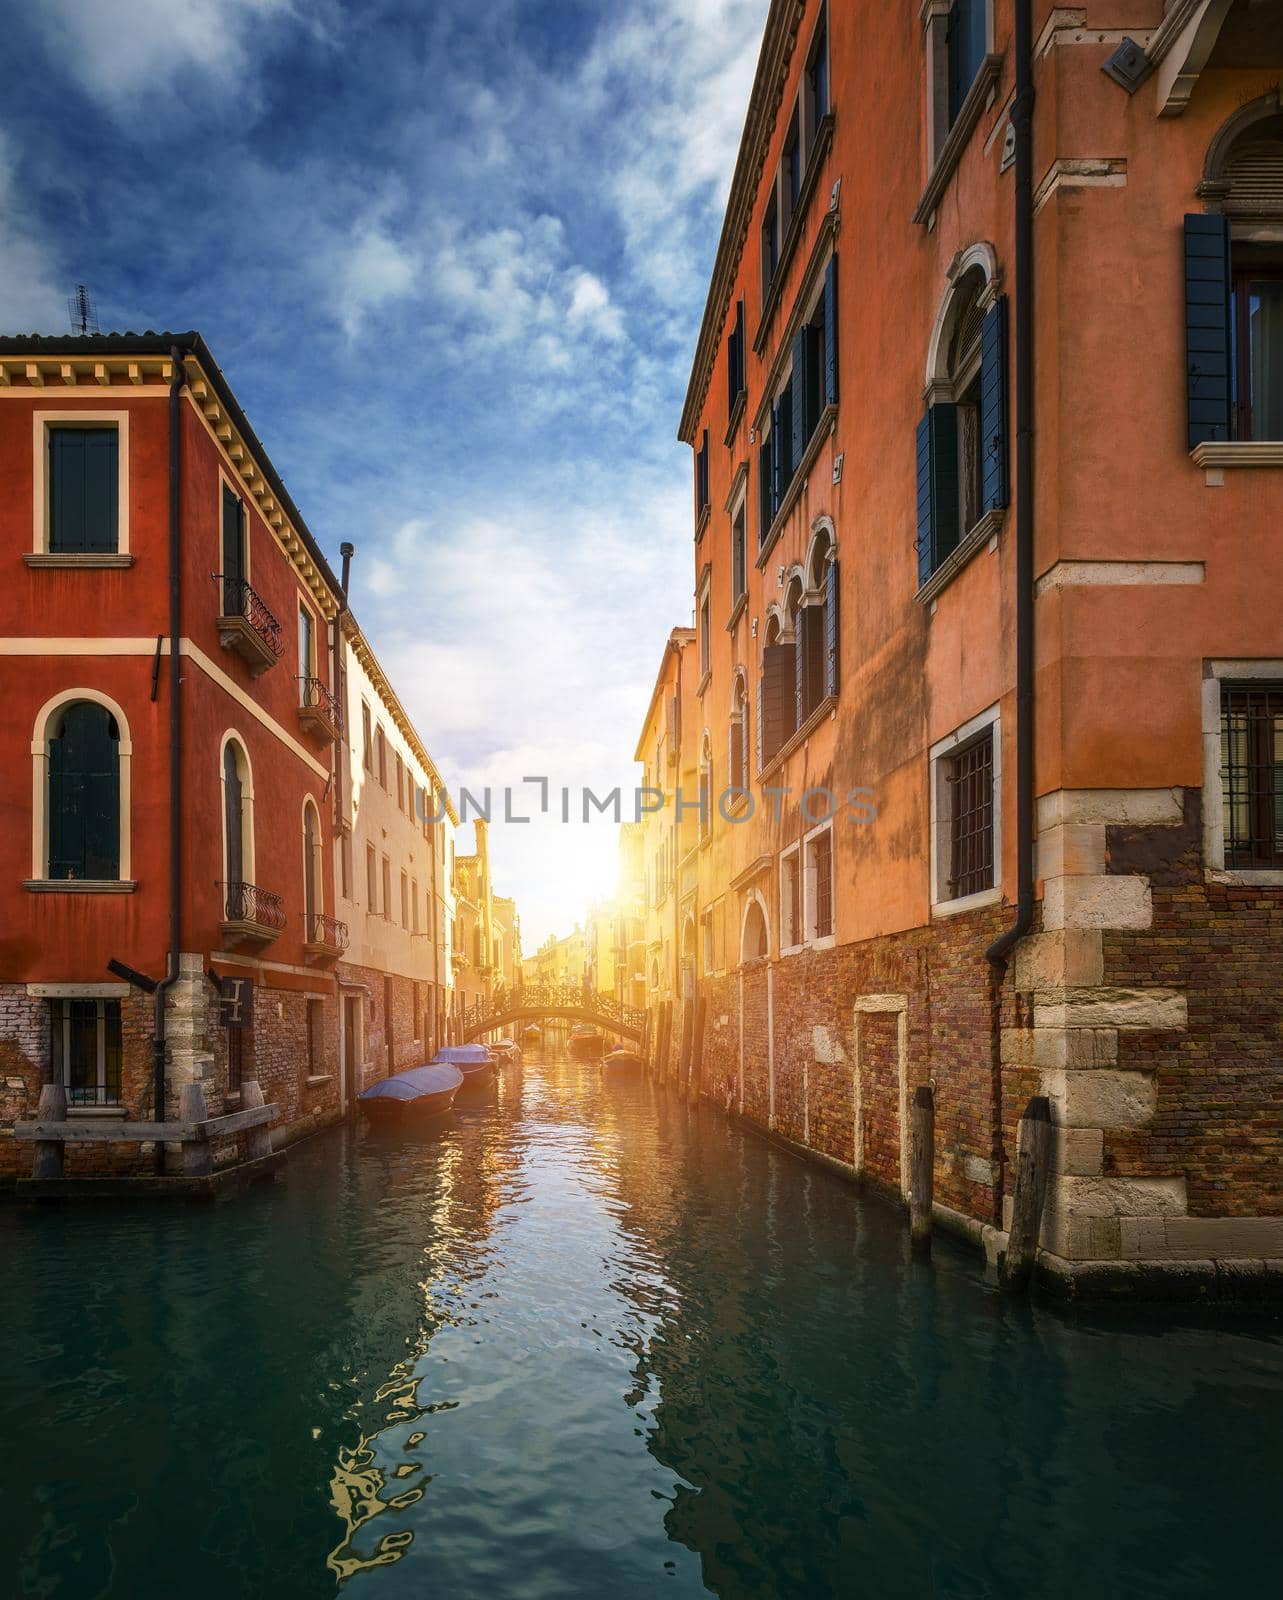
(345, 865)
(1258, 342)
(970, 779)
(735, 359)
(817, 78)
(796, 411)
(382, 748)
(400, 783)
(315, 1038)
(85, 1050)
(701, 477)
(387, 889)
(1252, 774)
(705, 636)
(84, 793)
(238, 831)
(710, 953)
(739, 563)
(964, 814)
(306, 653)
(367, 746)
(313, 897)
(770, 241)
(405, 901)
(371, 880)
(824, 639)
(737, 757)
(84, 489)
(235, 1059)
(776, 694)
(791, 899)
(965, 48)
(819, 884)
(706, 788)
(791, 165)
(235, 554)
(962, 440)
(414, 905)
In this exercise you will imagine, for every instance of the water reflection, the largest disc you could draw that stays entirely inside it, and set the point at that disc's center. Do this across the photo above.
(584, 1340)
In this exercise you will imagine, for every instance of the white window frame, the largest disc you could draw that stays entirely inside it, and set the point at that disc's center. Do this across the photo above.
(60, 1054)
(704, 617)
(942, 815)
(791, 948)
(41, 826)
(813, 940)
(82, 418)
(1214, 868)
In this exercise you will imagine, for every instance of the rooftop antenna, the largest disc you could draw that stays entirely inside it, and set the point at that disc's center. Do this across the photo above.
(80, 310)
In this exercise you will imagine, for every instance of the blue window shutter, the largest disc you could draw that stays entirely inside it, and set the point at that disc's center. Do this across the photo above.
(83, 489)
(801, 628)
(784, 456)
(84, 795)
(937, 488)
(815, 649)
(764, 492)
(777, 450)
(832, 630)
(1207, 327)
(993, 407)
(797, 390)
(831, 332)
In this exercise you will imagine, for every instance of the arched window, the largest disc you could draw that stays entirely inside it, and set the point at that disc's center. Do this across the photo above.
(824, 592)
(1234, 278)
(962, 439)
(238, 828)
(313, 881)
(737, 756)
(776, 688)
(84, 793)
(754, 940)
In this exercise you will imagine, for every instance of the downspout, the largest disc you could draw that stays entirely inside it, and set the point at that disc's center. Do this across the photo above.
(337, 677)
(999, 952)
(178, 378)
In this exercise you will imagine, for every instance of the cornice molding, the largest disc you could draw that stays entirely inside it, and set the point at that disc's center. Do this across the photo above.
(778, 42)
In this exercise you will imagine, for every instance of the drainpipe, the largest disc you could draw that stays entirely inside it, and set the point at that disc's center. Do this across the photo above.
(347, 551)
(999, 952)
(178, 378)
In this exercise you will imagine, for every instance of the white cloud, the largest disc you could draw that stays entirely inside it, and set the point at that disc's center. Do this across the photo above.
(372, 271)
(30, 301)
(120, 48)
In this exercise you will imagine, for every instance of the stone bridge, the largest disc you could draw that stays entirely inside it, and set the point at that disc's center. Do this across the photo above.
(533, 1002)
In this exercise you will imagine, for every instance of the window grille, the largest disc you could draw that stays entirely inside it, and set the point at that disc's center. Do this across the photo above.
(1252, 773)
(85, 1048)
(970, 777)
(822, 865)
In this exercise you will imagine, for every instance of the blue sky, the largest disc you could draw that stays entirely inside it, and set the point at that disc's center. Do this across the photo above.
(452, 257)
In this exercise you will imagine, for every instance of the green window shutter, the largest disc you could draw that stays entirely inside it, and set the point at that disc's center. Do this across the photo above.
(937, 488)
(84, 794)
(1207, 327)
(832, 630)
(993, 406)
(831, 331)
(84, 476)
(797, 396)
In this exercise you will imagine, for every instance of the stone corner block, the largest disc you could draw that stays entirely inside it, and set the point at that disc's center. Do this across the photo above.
(1101, 1098)
(1114, 1008)
(1100, 901)
(1063, 958)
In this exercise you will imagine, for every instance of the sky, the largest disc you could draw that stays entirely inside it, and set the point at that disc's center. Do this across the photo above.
(452, 256)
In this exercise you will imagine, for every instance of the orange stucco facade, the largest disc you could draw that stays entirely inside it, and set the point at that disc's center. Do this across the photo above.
(1155, 565)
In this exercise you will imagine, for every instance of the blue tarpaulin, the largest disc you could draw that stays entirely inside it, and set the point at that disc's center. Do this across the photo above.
(464, 1055)
(435, 1078)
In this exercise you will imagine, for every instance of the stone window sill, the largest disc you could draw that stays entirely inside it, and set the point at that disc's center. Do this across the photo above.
(317, 1079)
(1249, 877)
(737, 411)
(99, 1113)
(951, 151)
(799, 738)
(704, 683)
(967, 902)
(1238, 453)
(77, 558)
(80, 885)
(737, 611)
(984, 532)
(701, 521)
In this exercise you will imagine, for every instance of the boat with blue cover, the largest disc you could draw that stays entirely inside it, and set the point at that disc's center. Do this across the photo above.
(420, 1092)
(474, 1061)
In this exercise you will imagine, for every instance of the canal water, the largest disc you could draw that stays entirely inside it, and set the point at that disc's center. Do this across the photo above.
(585, 1341)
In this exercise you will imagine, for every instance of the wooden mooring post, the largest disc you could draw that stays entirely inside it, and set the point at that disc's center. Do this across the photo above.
(49, 1152)
(696, 1075)
(198, 1158)
(922, 1162)
(1033, 1162)
(258, 1140)
(683, 1066)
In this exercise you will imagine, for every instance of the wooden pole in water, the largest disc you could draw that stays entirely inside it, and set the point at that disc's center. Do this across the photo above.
(49, 1152)
(665, 1027)
(922, 1163)
(1033, 1161)
(258, 1141)
(198, 1158)
(684, 1057)
(697, 1052)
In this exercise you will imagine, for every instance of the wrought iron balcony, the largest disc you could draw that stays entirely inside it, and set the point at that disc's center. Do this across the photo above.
(251, 915)
(327, 938)
(247, 626)
(318, 710)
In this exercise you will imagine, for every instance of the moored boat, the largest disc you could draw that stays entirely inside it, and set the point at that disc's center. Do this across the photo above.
(420, 1092)
(475, 1062)
(586, 1042)
(621, 1059)
(507, 1052)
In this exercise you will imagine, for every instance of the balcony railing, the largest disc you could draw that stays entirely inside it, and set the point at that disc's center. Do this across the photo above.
(318, 710)
(252, 914)
(327, 937)
(247, 625)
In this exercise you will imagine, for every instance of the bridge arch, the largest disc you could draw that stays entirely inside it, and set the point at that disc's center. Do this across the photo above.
(536, 1002)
